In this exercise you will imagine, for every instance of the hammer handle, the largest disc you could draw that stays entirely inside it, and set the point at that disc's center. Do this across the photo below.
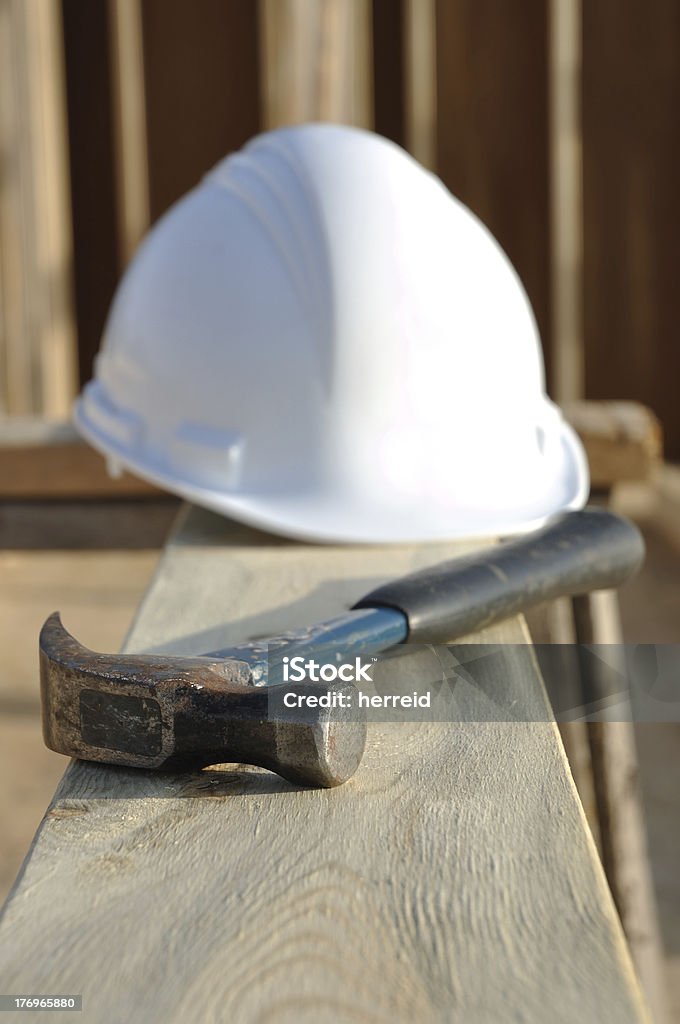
(579, 552)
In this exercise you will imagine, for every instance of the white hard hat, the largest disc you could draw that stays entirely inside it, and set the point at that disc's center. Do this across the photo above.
(321, 341)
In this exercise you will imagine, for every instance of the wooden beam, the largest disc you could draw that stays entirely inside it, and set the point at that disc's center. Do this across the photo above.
(49, 459)
(603, 761)
(129, 119)
(315, 60)
(623, 837)
(452, 879)
(567, 381)
(421, 80)
(553, 623)
(37, 334)
(623, 440)
(16, 385)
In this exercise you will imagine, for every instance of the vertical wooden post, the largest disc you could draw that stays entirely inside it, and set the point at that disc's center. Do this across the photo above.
(129, 120)
(37, 337)
(421, 80)
(566, 215)
(15, 381)
(315, 61)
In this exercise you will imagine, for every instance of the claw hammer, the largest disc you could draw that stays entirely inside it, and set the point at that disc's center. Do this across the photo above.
(170, 712)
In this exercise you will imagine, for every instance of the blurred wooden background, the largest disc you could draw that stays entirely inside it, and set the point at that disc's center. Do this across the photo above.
(554, 120)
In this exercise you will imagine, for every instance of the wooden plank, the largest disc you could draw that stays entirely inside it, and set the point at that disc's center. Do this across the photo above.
(421, 80)
(566, 207)
(32, 584)
(622, 440)
(315, 57)
(130, 141)
(631, 98)
(553, 623)
(48, 459)
(106, 523)
(623, 837)
(493, 130)
(38, 341)
(16, 388)
(228, 894)
(603, 761)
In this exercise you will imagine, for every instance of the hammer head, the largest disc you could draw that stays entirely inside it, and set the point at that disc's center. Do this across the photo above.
(168, 712)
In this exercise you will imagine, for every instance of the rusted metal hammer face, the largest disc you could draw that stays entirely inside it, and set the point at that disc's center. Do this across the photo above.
(157, 711)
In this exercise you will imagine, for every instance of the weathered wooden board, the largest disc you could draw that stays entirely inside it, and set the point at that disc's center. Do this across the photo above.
(129, 120)
(48, 459)
(623, 440)
(315, 61)
(453, 879)
(37, 329)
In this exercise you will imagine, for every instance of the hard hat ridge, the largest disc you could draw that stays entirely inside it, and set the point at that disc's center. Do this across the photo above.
(275, 193)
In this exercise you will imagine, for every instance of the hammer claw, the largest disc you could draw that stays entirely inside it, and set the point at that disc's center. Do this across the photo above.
(161, 711)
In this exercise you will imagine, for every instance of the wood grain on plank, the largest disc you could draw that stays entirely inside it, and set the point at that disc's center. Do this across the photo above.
(453, 879)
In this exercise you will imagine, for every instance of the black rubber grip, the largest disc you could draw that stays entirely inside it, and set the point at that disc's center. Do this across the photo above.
(579, 552)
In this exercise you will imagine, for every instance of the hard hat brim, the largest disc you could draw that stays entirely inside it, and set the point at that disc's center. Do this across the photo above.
(325, 518)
